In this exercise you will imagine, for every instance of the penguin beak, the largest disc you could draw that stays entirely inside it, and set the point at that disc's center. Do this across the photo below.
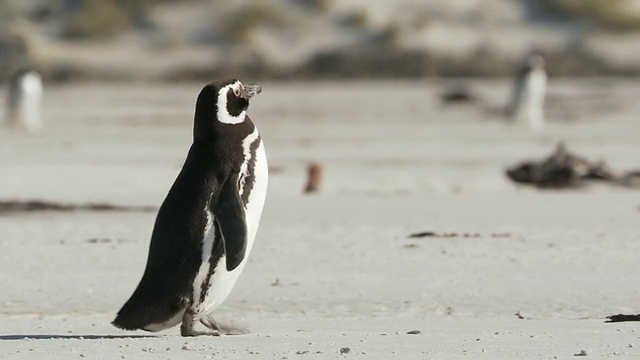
(250, 90)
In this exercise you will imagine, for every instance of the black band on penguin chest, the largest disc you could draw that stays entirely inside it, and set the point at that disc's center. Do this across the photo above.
(250, 178)
(237, 155)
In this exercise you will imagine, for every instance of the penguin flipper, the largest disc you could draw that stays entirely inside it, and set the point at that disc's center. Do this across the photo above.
(230, 215)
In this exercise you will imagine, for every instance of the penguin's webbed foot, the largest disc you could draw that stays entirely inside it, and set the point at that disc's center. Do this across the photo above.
(188, 327)
(184, 331)
(210, 323)
(224, 328)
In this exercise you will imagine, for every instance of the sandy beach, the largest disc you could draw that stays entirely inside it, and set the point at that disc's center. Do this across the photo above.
(513, 272)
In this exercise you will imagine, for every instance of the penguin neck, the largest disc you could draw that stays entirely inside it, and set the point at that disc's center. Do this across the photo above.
(206, 131)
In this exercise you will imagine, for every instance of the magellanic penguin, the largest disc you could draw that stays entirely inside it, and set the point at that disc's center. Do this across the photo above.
(527, 100)
(24, 101)
(205, 227)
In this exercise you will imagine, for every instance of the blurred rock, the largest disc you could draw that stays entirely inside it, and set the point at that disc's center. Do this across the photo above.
(563, 169)
(459, 94)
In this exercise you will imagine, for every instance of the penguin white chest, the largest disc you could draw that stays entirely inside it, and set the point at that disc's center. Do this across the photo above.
(534, 99)
(26, 102)
(536, 87)
(212, 286)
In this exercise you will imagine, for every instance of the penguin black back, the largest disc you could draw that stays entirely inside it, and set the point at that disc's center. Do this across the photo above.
(207, 181)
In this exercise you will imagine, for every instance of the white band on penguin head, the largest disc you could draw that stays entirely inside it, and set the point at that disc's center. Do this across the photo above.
(223, 111)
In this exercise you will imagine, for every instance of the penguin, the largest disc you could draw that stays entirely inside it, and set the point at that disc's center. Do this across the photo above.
(527, 100)
(205, 228)
(24, 101)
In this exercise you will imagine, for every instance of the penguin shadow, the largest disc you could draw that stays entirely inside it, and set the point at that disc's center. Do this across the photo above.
(71, 337)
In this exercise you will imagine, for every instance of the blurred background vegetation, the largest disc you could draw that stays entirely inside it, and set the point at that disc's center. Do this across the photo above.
(618, 15)
(163, 40)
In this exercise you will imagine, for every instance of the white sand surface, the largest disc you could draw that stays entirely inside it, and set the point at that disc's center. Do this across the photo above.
(337, 269)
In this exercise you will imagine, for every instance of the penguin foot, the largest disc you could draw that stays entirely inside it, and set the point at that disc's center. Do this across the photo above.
(193, 332)
(224, 328)
(210, 323)
(188, 327)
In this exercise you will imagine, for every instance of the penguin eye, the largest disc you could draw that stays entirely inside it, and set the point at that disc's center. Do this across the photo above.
(236, 91)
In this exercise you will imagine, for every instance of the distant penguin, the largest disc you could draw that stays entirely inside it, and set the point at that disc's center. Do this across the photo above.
(206, 225)
(527, 100)
(24, 101)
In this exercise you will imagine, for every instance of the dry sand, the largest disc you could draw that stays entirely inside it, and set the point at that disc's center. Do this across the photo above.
(335, 270)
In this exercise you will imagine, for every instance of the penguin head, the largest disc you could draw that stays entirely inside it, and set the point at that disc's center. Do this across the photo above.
(535, 61)
(223, 103)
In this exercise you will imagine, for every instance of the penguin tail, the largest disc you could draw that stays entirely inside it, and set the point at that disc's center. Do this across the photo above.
(120, 324)
(137, 314)
(128, 321)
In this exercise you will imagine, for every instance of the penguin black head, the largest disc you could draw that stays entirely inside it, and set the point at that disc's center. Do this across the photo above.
(221, 104)
(535, 61)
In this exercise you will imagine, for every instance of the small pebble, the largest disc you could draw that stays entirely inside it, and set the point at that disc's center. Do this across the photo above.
(345, 350)
(414, 332)
(581, 353)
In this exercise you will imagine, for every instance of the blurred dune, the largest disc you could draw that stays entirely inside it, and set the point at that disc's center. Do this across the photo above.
(286, 39)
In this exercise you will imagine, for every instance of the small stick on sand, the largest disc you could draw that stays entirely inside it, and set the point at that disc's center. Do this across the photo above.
(314, 177)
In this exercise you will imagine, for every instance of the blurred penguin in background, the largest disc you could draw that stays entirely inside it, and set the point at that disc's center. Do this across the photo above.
(24, 101)
(527, 100)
